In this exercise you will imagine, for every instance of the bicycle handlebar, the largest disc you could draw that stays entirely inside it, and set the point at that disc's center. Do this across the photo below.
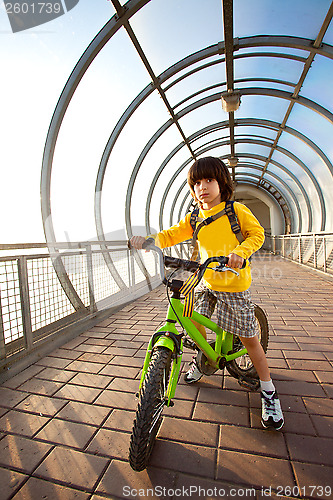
(187, 265)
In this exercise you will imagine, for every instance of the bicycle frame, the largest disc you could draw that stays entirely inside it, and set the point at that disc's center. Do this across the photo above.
(223, 343)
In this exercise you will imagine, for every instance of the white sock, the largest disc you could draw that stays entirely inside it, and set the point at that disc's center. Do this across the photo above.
(267, 385)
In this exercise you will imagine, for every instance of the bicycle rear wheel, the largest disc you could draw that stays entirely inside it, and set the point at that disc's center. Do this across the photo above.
(150, 408)
(243, 366)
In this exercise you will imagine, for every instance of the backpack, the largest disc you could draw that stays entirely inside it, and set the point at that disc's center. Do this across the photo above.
(228, 210)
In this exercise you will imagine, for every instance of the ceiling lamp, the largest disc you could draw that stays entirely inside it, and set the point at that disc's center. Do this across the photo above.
(230, 101)
(232, 161)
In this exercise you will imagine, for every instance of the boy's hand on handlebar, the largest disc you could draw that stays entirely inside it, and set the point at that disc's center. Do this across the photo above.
(137, 242)
(235, 261)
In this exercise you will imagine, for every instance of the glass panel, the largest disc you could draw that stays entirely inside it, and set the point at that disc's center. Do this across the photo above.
(296, 18)
(202, 117)
(287, 87)
(89, 120)
(138, 131)
(292, 51)
(184, 194)
(216, 59)
(318, 167)
(307, 183)
(213, 75)
(295, 189)
(256, 149)
(247, 130)
(309, 156)
(318, 83)
(176, 29)
(314, 126)
(35, 66)
(262, 107)
(156, 156)
(328, 38)
(219, 135)
(268, 67)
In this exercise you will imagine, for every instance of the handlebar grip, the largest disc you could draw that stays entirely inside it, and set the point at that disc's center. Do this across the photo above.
(148, 243)
(224, 261)
(188, 265)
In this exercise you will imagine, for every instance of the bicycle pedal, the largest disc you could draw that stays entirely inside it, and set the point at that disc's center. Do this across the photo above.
(190, 345)
(252, 384)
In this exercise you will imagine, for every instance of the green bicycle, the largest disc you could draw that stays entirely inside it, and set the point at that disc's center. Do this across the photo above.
(162, 362)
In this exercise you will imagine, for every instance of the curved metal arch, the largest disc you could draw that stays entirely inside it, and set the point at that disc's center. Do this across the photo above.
(278, 165)
(208, 52)
(110, 28)
(304, 167)
(241, 80)
(214, 97)
(192, 138)
(258, 157)
(263, 189)
(243, 122)
(262, 41)
(289, 218)
(288, 189)
(290, 213)
(93, 49)
(294, 42)
(275, 194)
(282, 94)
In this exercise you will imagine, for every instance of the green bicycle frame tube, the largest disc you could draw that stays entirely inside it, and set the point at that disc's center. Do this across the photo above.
(223, 344)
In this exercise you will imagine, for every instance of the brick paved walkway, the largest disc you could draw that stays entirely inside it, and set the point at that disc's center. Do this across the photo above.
(65, 421)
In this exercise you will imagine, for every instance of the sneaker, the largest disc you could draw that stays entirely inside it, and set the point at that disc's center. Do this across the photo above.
(193, 374)
(271, 413)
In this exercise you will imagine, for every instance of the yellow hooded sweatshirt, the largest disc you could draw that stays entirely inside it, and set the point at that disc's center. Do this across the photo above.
(217, 238)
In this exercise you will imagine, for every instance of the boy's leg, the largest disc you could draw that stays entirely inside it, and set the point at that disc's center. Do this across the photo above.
(257, 355)
(272, 415)
(204, 304)
(193, 374)
(201, 328)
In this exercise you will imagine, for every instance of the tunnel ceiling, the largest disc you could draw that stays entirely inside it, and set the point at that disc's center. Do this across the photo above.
(149, 91)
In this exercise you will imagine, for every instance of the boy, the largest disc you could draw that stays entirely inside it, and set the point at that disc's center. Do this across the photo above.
(211, 186)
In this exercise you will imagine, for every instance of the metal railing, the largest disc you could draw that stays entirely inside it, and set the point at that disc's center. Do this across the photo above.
(42, 294)
(311, 249)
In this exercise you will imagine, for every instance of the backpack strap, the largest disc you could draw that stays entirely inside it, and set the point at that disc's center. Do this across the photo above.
(194, 218)
(235, 227)
(228, 210)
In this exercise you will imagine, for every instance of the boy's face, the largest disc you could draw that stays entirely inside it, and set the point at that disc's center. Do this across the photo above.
(207, 192)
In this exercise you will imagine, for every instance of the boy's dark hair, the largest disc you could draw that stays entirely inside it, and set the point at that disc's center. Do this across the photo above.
(211, 168)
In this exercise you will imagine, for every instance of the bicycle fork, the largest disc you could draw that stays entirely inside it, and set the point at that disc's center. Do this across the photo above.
(168, 337)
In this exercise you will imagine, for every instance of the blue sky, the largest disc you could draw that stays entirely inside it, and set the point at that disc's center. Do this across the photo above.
(36, 64)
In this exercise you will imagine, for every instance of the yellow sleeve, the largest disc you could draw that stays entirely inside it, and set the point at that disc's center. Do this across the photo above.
(252, 231)
(175, 234)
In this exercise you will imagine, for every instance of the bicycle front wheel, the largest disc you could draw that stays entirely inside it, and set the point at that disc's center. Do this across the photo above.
(243, 366)
(148, 417)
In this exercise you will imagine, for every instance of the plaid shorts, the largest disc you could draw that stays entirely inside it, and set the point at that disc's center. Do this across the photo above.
(234, 310)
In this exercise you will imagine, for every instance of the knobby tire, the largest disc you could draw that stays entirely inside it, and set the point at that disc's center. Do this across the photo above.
(150, 407)
(234, 367)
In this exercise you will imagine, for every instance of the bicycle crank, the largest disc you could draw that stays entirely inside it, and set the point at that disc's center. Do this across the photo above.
(203, 363)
